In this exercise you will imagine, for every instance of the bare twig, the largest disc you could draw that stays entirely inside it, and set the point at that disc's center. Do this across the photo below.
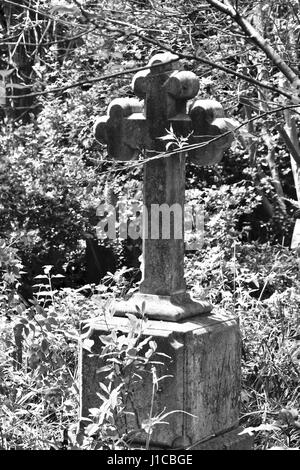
(258, 39)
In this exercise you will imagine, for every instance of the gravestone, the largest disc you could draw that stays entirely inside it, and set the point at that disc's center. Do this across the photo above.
(203, 345)
(132, 126)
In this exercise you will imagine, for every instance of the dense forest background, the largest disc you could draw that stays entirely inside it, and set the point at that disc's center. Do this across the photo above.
(61, 64)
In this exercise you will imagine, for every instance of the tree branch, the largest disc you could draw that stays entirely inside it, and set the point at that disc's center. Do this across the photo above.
(86, 82)
(141, 35)
(212, 64)
(259, 40)
(289, 143)
(215, 65)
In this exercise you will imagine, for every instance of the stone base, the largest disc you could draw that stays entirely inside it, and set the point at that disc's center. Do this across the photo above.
(162, 307)
(204, 364)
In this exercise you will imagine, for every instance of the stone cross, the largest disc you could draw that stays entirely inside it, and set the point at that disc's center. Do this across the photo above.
(134, 126)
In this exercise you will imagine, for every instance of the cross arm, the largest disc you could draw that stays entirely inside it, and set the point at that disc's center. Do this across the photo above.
(209, 122)
(123, 129)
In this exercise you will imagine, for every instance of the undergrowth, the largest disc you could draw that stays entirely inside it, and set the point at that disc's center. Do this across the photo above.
(39, 349)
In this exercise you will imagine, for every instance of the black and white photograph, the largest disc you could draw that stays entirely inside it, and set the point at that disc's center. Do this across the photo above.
(149, 228)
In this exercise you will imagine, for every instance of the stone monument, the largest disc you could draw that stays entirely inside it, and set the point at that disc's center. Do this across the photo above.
(205, 367)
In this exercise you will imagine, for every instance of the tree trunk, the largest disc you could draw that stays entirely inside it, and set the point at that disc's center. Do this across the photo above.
(291, 130)
(19, 55)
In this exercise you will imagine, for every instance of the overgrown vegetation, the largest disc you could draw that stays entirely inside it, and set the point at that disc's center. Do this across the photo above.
(61, 64)
(39, 348)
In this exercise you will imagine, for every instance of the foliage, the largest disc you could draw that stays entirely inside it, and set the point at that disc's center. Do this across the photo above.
(259, 284)
(38, 347)
(38, 351)
(39, 399)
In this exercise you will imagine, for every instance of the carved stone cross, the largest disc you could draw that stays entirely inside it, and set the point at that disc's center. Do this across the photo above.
(133, 126)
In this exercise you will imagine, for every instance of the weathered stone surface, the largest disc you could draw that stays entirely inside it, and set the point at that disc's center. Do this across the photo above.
(169, 308)
(205, 365)
(124, 129)
(209, 123)
(132, 126)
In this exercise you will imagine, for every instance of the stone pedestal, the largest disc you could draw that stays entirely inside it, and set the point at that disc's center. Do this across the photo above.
(204, 362)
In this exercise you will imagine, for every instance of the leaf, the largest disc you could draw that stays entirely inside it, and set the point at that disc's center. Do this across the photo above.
(171, 146)
(6, 73)
(26, 397)
(247, 134)
(147, 425)
(64, 8)
(261, 427)
(47, 268)
(165, 377)
(114, 360)
(41, 311)
(163, 415)
(153, 345)
(176, 344)
(245, 396)
(44, 345)
(18, 86)
(148, 353)
(104, 387)
(103, 369)
(114, 396)
(94, 412)
(117, 55)
(47, 325)
(296, 84)
(106, 339)
(130, 64)
(92, 429)
(288, 416)
(132, 352)
(231, 124)
(114, 68)
(144, 342)
(167, 137)
(88, 344)
(134, 321)
(20, 308)
(69, 335)
(280, 448)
